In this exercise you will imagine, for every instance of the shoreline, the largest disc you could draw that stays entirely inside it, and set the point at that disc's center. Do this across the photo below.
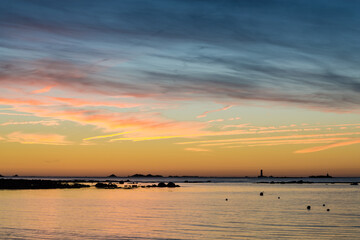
(18, 183)
(25, 184)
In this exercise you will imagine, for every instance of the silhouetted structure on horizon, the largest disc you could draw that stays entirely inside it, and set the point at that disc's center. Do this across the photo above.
(261, 174)
(321, 176)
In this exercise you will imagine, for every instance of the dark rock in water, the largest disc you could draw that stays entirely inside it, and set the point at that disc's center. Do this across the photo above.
(226, 199)
(261, 193)
(106, 185)
(328, 210)
(162, 184)
(324, 205)
(172, 185)
(121, 182)
(354, 183)
(278, 197)
(78, 185)
(112, 176)
(37, 184)
(308, 207)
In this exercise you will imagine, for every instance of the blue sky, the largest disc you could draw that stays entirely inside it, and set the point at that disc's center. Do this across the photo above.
(296, 52)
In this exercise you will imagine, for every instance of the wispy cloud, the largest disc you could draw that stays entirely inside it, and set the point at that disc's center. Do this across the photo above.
(37, 138)
(42, 122)
(334, 145)
(43, 90)
(216, 110)
(216, 120)
(259, 140)
(76, 102)
(16, 114)
(105, 136)
(244, 125)
(197, 149)
(242, 57)
(281, 142)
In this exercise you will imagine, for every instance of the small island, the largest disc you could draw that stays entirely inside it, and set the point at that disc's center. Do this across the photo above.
(112, 176)
(321, 176)
(146, 176)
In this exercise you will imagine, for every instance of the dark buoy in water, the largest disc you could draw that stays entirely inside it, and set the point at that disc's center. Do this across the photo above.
(324, 205)
(261, 193)
(308, 207)
(328, 210)
(226, 199)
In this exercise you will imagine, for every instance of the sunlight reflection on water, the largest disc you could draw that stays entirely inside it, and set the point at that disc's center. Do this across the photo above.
(194, 211)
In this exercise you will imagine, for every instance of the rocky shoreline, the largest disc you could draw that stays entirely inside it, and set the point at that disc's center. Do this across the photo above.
(18, 184)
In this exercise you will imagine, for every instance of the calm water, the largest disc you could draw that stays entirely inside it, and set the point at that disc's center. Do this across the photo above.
(194, 211)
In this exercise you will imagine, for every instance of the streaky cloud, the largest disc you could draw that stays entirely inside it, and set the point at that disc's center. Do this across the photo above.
(211, 111)
(333, 145)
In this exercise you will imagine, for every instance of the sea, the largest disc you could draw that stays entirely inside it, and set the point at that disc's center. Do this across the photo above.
(201, 208)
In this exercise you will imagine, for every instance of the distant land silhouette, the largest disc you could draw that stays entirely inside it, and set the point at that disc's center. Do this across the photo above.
(148, 175)
(55, 184)
(321, 176)
(37, 184)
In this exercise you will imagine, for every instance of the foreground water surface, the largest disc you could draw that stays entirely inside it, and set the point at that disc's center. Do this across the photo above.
(193, 211)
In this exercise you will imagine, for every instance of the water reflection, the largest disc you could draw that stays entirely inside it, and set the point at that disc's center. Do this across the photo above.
(194, 211)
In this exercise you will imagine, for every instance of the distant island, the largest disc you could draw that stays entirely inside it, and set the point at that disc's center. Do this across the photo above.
(137, 175)
(321, 176)
(148, 175)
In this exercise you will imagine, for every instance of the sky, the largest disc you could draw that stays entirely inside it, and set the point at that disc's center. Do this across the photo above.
(208, 88)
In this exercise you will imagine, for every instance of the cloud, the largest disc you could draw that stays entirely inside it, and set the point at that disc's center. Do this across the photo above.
(104, 136)
(137, 124)
(244, 125)
(43, 90)
(42, 122)
(21, 101)
(197, 149)
(334, 145)
(280, 142)
(15, 114)
(216, 110)
(239, 140)
(216, 120)
(83, 102)
(37, 138)
(248, 54)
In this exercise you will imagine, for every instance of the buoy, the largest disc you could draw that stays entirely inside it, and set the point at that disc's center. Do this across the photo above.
(262, 194)
(278, 197)
(328, 210)
(308, 207)
(226, 199)
(324, 205)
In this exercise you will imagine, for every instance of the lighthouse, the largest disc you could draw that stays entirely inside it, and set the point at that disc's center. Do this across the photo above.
(261, 173)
